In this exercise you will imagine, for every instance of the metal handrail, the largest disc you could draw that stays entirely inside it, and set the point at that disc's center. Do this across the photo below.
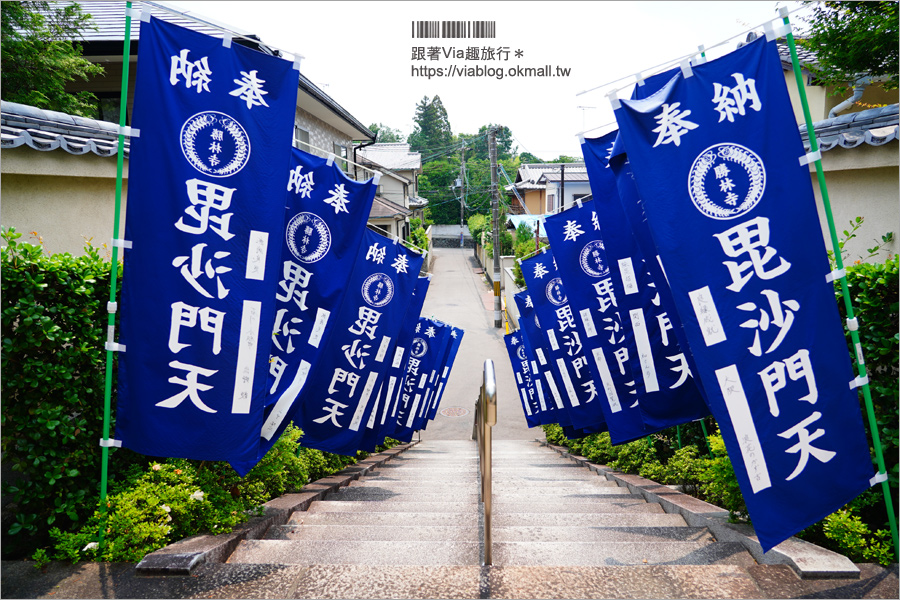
(485, 419)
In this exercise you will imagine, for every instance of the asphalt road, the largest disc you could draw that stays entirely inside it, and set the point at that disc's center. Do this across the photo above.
(460, 296)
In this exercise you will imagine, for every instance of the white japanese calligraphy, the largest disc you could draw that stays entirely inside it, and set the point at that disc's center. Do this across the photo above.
(730, 101)
(673, 124)
(196, 74)
(748, 238)
(250, 89)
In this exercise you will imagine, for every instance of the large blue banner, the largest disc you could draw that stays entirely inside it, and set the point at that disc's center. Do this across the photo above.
(669, 394)
(717, 161)
(551, 405)
(456, 337)
(343, 390)
(570, 375)
(426, 350)
(205, 215)
(325, 217)
(521, 366)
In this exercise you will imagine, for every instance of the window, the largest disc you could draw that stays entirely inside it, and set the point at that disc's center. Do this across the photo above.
(108, 108)
(551, 203)
(341, 152)
(301, 138)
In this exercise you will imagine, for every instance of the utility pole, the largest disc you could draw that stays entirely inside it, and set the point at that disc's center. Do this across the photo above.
(462, 199)
(562, 186)
(495, 218)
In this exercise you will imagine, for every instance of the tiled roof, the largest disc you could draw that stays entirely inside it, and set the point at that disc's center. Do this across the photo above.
(394, 155)
(875, 127)
(571, 175)
(806, 56)
(47, 130)
(382, 208)
(531, 175)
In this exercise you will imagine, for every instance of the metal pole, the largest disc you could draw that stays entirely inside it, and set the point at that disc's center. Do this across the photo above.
(845, 292)
(489, 416)
(462, 198)
(495, 217)
(113, 276)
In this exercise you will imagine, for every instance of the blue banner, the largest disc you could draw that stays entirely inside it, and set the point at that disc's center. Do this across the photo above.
(389, 395)
(426, 350)
(669, 394)
(551, 406)
(570, 375)
(717, 160)
(521, 366)
(205, 216)
(456, 336)
(341, 393)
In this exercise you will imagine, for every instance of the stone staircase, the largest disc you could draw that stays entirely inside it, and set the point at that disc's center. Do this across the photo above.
(422, 509)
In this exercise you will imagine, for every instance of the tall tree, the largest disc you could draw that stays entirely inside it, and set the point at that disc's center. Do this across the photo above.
(432, 134)
(385, 134)
(854, 39)
(477, 144)
(40, 54)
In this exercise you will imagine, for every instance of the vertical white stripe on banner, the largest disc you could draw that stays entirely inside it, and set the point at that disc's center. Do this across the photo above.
(540, 355)
(567, 381)
(431, 379)
(525, 402)
(425, 404)
(315, 336)
(588, 319)
(551, 335)
(629, 281)
(246, 360)
(744, 429)
(609, 387)
(398, 357)
(383, 349)
(642, 341)
(422, 380)
(438, 394)
(279, 412)
(374, 414)
(707, 316)
(363, 401)
(540, 391)
(554, 390)
(519, 378)
(256, 255)
(387, 398)
(412, 411)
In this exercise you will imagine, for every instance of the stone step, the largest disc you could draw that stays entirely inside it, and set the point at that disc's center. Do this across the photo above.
(356, 519)
(536, 506)
(539, 487)
(620, 553)
(358, 494)
(362, 506)
(652, 517)
(648, 535)
(385, 533)
(356, 552)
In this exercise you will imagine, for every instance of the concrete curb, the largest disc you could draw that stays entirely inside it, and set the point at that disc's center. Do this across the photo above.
(807, 560)
(183, 556)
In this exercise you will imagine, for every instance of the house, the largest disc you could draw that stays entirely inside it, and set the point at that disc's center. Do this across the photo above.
(397, 199)
(59, 172)
(548, 187)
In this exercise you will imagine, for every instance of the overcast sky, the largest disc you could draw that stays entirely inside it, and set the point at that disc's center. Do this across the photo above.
(360, 53)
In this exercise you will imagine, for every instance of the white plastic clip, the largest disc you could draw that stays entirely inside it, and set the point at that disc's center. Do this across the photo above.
(773, 33)
(859, 382)
(581, 139)
(110, 443)
(133, 13)
(129, 132)
(117, 243)
(425, 254)
(836, 274)
(112, 347)
(853, 324)
(330, 158)
(145, 16)
(297, 59)
(519, 260)
(578, 202)
(686, 69)
(376, 177)
(396, 239)
(112, 307)
(614, 100)
(544, 250)
(429, 275)
(640, 79)
(810, 157)
(783, 11)
(226, 39)
(700, 59)
(879, 477)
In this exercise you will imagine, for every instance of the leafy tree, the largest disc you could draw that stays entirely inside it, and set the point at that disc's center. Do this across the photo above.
(562, 158)
(432, 133)
(385, 134)
(40, 55)
(529, 158)
(854, 39)
(477, 145)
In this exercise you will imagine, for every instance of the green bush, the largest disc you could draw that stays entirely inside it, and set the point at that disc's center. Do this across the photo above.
(506, 245)
(53, 362)
(478, 224)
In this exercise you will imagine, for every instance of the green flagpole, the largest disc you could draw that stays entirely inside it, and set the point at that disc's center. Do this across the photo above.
(845, 292)
(114, 272)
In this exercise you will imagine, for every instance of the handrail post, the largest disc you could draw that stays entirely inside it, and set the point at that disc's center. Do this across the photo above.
(487, 417)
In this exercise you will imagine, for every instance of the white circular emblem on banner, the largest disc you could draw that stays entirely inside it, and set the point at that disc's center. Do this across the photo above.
(592, 259)
(377, 290)
(215, 144)
(418, 348)
(726, 181)
(555, 292)
(520, 352)
(308, 237)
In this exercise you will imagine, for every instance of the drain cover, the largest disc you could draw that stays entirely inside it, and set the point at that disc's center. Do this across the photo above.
(454, 411)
